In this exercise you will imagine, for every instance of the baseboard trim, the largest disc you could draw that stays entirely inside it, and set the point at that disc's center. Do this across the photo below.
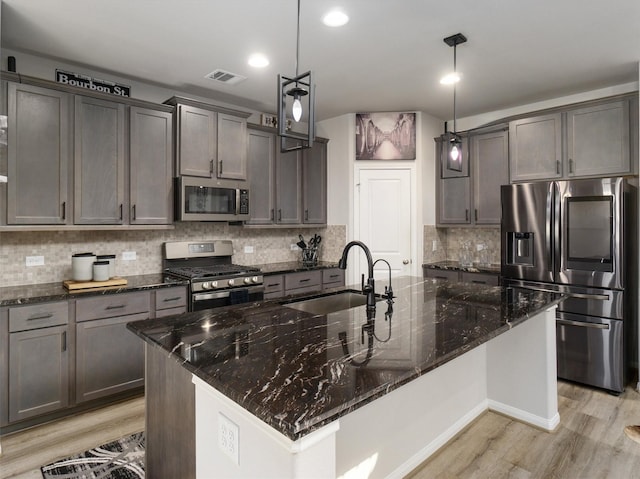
(423, 454)
(548, 424)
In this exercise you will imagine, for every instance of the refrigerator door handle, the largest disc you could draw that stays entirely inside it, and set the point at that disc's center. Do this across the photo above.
(567, 322)
(598, 297)
(548, 227)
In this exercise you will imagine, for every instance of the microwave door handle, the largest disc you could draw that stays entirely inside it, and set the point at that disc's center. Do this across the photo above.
(237, 201)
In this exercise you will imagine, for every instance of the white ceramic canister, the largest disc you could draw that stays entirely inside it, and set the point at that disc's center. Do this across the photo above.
(100, 270)
(111, 258)
(82, 266)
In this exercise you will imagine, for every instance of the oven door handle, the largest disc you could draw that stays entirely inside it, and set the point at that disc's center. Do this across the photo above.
(581, 324)
(225, 293)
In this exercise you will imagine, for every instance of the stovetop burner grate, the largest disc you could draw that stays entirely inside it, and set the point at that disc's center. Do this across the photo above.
(197, 272)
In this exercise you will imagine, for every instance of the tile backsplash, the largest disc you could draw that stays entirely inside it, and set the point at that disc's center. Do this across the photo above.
(441, 244)
(269, 246)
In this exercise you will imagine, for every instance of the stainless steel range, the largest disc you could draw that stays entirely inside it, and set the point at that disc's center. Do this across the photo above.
(214, 281)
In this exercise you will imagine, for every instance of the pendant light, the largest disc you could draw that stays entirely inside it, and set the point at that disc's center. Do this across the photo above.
(454, 143)
(299, 93)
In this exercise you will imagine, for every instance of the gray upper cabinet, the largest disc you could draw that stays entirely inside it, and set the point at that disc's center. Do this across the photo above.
(447, 168)
(314, 184)
(453, 192)
(151, 166)
(232, 151)
(489, 155)
(535, 148)
(598, 140)
(39, 155)
(289, 187)
(99, 161)
(197, 138)
(261, 165)
(211, 140)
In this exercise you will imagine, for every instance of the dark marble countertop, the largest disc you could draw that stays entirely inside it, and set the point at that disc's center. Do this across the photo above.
(298, 371)
(37, 293)
(293, 267)
(455, 265)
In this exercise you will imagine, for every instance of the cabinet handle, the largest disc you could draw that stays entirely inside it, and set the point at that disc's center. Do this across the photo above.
(133, 212)
(119, 306)
(64, 210)
(305, 280)
(40, 316)
(478, 281)
(279, 215)
(167, 300)
(211, 167)
(306, 215)
(475, 213)
(272, 214)
(120, 211)
(273, 285)
(466, 215)
(334, 275)
(220, 173)
(558, 167)
(64, 341)
(570, 165)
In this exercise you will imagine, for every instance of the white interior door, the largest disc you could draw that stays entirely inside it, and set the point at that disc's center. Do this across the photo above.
(383, 219)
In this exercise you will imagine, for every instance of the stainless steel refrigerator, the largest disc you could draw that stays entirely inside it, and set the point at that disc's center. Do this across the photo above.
(578, 237)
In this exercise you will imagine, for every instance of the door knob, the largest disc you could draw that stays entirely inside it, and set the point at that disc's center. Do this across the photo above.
(406, 261)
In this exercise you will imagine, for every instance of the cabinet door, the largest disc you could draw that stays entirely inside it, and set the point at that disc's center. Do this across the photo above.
(151, 166)
(535, 148)
(232, 147)
(109, 358)
(99, 166)
(489, 154)
(288, 188)
(314, 184)
(196, 141)
(454, 201)
(446, 167)
(38, 372)
(261, 163)
(598, 140)
(39, 155)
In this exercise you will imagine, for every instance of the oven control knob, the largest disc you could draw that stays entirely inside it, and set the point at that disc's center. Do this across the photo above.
(230, 282)
(214, 284)
(206, 285)
(247, 280)
(255, 279)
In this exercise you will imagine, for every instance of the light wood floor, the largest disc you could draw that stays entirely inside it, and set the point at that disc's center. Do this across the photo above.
(589, 443)
(24, 452)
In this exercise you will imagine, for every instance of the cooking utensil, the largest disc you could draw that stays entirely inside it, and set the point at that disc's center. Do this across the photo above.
(301, 244)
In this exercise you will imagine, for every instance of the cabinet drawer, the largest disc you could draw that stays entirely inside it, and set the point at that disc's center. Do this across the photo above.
(482, 278)
(171, 298)
(112, 305)
(163, 313)
(305, 279)
(36, 316)
(332, 278)
(273, 285)
(445, 274)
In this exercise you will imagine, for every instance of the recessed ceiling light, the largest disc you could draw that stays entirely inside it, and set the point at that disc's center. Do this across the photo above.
(335, 18)
(450, 79)
(258, 60)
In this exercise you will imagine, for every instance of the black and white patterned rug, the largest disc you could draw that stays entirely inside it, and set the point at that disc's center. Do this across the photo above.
(121, 459)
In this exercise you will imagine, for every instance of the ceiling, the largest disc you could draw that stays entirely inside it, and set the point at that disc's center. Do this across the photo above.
(389, 57)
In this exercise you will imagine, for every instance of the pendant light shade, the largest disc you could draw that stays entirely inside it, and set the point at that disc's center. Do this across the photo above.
(454, 143)
(296, 97)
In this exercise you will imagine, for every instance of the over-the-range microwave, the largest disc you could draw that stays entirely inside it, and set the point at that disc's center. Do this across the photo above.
(210, 199)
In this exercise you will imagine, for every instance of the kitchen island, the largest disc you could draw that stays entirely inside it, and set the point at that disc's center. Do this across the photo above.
(266, 390)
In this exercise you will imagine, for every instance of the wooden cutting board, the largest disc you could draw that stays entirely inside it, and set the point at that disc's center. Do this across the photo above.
(74, 285)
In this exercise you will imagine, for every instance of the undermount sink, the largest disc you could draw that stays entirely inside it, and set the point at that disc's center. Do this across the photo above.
(330, 303)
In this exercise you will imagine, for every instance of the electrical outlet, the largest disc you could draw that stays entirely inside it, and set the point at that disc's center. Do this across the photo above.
(129, 256)
(228, 437)
(479, 247)
(34, 260)
(248, 249)
(434, 245)
(294, 247)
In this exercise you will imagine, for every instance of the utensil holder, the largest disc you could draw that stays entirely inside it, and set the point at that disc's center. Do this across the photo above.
(310, 256)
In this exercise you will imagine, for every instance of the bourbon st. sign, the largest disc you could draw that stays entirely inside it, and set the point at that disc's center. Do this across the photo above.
(95, 84)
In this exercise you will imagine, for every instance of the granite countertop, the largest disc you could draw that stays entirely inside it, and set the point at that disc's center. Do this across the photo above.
(455, 265)
(37, 293)
(298, 371)
(292, 267)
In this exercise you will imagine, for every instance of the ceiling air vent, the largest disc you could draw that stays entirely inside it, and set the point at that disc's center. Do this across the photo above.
(225, 77)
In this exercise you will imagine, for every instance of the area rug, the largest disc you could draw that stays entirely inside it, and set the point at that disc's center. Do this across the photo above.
(120, 459)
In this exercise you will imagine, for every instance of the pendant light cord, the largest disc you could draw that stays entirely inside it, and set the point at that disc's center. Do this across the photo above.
(298, 39)
(454, 88)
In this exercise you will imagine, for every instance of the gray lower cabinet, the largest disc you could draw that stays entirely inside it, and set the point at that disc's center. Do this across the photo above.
(39, 155)
(38, 366)
(278, 285)
(273, 286)
(462, 276)
(170, 301)
(303, 282)
(109, 358)
(150, 166)
(99, 161)
(332, 278)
